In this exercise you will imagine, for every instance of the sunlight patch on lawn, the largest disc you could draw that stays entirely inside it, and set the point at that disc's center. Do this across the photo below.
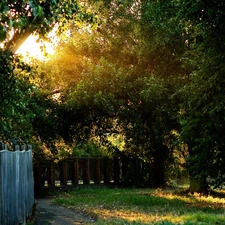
(195, 198)
(146, 206)
(143, 218)
(135, 216)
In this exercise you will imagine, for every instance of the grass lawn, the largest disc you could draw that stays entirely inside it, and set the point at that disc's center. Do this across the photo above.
(145, 206)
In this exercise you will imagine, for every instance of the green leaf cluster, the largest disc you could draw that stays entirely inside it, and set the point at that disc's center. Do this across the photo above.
(25, 17)
(15, 91)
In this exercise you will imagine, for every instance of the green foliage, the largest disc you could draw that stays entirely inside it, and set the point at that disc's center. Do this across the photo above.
(15, 92)
(39, 15)
(89, 149)
(151, 73)
(121, 79)
(26, 113)
(202, 120)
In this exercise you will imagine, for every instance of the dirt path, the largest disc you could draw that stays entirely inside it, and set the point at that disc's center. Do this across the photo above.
(48, 213)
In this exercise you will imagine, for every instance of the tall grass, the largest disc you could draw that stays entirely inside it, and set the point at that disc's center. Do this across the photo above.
(144, 206)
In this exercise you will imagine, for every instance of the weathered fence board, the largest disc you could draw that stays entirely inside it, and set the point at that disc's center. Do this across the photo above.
(74, 171)
(16, 186)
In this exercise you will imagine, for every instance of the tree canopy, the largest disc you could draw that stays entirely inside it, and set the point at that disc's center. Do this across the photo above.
(118, 81)
(151, 74)
(203, 119)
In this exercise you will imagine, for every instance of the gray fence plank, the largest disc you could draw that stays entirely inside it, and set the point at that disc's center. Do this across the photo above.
(16, 186)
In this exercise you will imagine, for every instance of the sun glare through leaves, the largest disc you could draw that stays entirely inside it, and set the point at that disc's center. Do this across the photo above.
(35, 49)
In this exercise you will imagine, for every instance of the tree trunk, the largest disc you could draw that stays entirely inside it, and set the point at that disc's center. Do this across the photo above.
(198, 185)
(158, 175)
(198, 182)
(158, 167)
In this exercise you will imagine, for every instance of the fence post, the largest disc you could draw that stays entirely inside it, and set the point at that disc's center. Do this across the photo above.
(37, 178)
(75, 171)
(23, 147)
(86, 171)
(116, 170)
(17, 148)
(3, 146)
(97, 171)
(106, 170)
(124, 166)
(63, 172)
(51, 173)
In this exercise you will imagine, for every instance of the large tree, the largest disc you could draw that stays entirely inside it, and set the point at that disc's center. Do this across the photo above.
(27, 112)
(203, 118)
(121, 78)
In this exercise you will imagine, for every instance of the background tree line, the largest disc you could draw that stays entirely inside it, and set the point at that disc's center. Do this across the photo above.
(141, 79)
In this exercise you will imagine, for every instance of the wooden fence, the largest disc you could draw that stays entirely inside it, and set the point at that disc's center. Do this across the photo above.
(77, 171)
(16, 186)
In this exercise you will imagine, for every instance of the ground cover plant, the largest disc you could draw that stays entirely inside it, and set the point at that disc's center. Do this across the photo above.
(145, 206)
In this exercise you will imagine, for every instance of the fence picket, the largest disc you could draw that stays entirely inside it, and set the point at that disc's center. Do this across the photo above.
(16, 186)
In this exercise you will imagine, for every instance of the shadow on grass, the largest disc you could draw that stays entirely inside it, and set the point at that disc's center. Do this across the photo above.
(143, 206)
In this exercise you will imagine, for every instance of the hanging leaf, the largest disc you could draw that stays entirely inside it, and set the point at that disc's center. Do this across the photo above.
(2, 34)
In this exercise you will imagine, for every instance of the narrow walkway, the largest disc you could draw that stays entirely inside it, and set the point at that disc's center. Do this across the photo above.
(48, 213)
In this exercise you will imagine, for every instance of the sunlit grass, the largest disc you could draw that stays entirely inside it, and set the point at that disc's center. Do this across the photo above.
(145, 206)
